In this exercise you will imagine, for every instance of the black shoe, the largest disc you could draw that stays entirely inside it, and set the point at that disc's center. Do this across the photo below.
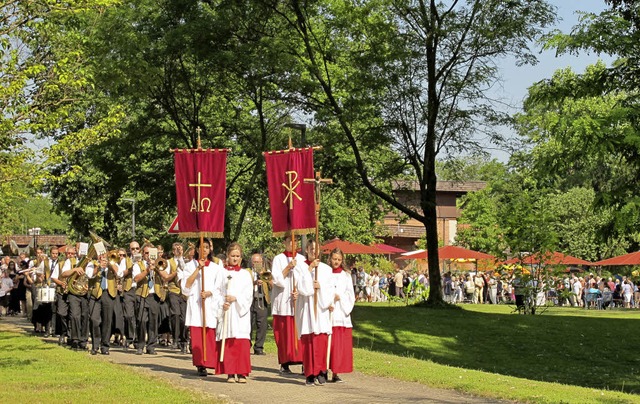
(336, 379)
(259, 353)
(310, 381)
(83, 346)
(104, 351)
(284, 369)
(139, 351)
(151, 352)
(202, 371)
(61, 340)
(183, 349)
(320, 380)
(94, 352)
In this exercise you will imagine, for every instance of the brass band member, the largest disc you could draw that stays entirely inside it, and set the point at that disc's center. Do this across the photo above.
(262, 285)
(62, 302)
(78, 309)
(129, 293)
(103, 294)
(177, 302)
(42, 312)
(147, 303)
(283, 323)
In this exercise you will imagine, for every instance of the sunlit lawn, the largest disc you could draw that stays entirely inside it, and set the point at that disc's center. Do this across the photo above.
(593, 349)
(34, 371)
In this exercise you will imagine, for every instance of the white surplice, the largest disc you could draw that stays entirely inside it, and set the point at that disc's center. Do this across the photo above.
(281, 301)
(238, 323)
(213, 282)
(306, 321)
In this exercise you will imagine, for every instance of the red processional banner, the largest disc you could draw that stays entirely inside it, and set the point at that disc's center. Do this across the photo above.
(291, 200)
(201, 179)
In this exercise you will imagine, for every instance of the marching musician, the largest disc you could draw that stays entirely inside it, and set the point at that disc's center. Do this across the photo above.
(234, 336)
(43, 310)
(282, 307)
(261, 299)
(118, 307)
(103, 294)
(164, 323)
(78, 305)
(62, 302)
(211, 296)
(128, 286)
(177, 301)
(54, 265)
(147, 303)
(313, 321)
(341, 360)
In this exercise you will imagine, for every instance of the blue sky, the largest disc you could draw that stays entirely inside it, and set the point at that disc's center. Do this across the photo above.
(515, 80)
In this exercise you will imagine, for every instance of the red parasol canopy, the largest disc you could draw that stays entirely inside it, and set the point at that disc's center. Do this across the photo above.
(451, 252)
(555, 258)
(389, 249)
(627, 259)
(348, 247)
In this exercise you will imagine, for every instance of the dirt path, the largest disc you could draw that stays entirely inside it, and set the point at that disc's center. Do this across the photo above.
(265, 382)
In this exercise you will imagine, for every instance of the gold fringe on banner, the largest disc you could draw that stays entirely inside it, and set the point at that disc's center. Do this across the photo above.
(293, 149)
(298, 232)
(204, 234)
(201, 150)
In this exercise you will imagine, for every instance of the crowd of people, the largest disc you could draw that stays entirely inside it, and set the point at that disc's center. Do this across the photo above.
(494, 287)
(213, 307)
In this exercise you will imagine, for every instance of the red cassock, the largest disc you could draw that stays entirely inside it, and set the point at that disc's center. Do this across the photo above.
(196, 347)
(236, 357)
(314, 348)
(284, 333)
(341, 350)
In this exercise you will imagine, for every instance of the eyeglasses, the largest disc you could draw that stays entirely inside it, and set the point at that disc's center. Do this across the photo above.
(122, 255)
(146, 252)
(135, 248)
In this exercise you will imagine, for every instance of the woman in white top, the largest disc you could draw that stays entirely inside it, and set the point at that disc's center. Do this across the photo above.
(341, 360)
(211, 293)
(235, 332)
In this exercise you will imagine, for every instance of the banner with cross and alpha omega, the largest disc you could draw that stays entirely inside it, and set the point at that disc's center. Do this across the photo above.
(291, 199)
(201, 176)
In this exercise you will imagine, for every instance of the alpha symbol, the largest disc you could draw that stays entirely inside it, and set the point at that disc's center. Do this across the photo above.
(293, 183)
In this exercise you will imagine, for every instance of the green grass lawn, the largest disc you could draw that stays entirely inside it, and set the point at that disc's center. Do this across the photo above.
(34, 371)
(487, 350)
(565, 355)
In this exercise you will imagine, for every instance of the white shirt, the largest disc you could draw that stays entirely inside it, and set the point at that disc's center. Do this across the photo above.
(281, 301)
(57, 272)
(306, 321)
(137, 271)
(213, 275)
(238, 317)
(344, 306)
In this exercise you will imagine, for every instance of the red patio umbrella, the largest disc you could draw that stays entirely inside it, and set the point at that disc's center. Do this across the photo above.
(389, 249)
(554, 258)
(451, 252)
(348, 247)
(627, 259)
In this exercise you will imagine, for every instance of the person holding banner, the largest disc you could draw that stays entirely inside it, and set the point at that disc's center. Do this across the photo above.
(211, 295)
(282, 305)
(313, 320)
(341, 355)
(234, 336)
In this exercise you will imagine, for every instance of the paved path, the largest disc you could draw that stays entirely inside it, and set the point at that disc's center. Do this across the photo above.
(265, 384)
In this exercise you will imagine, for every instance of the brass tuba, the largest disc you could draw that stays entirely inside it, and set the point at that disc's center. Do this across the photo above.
(266, 277)
(79, 285)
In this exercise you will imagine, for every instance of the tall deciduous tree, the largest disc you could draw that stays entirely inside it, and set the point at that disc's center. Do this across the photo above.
(411, 74)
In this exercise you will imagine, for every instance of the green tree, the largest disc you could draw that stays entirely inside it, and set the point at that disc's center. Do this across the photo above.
(410, 74)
